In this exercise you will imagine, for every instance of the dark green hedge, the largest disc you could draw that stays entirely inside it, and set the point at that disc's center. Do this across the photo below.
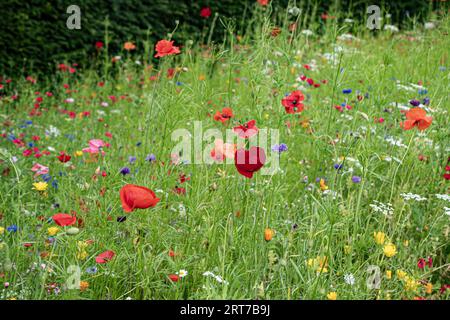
(34, 32)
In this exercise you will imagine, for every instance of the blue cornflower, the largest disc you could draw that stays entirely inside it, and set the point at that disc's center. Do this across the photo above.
(55, 184)
(12, 228)
(131, 159)
(426, 101)
(347, 91)
(150, 157)
(280, 148)
(338, 166)
(125, 170)
(356, 179)
(91, 270)
(46, 177)
(423, 91)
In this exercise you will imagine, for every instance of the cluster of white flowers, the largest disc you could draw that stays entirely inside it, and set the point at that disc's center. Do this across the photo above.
(385, 209)
(412, 196)
(444, 197)
(216, 277)
(390, 27)
(447, 211)
(349, 279)
(52, 131)
(395, 142)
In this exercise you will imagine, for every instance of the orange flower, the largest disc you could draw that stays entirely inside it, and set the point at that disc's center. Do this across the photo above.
(223, 116)
(165, 48)
(137, 197)
(129, 46)
(416, 117)
(268, 234)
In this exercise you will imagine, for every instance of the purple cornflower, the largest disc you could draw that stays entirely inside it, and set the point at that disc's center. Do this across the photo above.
(280, 148)
(414, 102)
(150, 157)
(131, 159)
(125, 170)
(338, 166)
(356, 179)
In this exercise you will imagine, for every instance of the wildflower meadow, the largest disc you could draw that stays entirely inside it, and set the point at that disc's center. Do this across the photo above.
(303, 157)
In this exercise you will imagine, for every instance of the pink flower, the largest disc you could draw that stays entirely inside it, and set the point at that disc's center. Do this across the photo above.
(222, 150)
(39, 169)
(95, 146)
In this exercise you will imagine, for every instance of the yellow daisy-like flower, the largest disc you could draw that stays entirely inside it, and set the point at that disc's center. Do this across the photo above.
(82, 255)
(332, 295)
(2, 230)
(390, 250)
(320, 264)
(40, 186)
(78, 153)
(347, 249)
(388, 274)
(401, 274)
(411, 284)
(379, 237)
(52, 231)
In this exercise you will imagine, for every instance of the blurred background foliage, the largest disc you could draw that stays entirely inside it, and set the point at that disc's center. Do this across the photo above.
(35, 37)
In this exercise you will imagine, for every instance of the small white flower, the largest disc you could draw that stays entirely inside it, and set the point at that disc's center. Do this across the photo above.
(429, 25)
(391, 28)
(182, 273)
(349, 279)
(104, 104)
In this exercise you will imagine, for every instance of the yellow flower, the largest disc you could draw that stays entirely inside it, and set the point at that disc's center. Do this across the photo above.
(84, 285)
(2, 230)
(401, 274)
(390, 250)
(347, 249)
(78, 153)
(82, 255)
(411, 284)
(332, 295)
(52, 231)
(40, 186)
(379, 237)
(388, 274)
(319, 263)
(406, 243)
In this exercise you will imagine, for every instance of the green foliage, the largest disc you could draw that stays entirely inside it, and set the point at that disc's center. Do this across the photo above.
(34, 33)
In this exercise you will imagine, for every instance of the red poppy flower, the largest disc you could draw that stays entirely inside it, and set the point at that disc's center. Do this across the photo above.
(64, 219)
(292, 103)
(416, 117)
(166, 48)
(224, 116)
(205, 12)
(246, 130)
(137, 197)
(263, 2)
(248, 162)
(174, 277)
(63, 157)
(105, 257)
